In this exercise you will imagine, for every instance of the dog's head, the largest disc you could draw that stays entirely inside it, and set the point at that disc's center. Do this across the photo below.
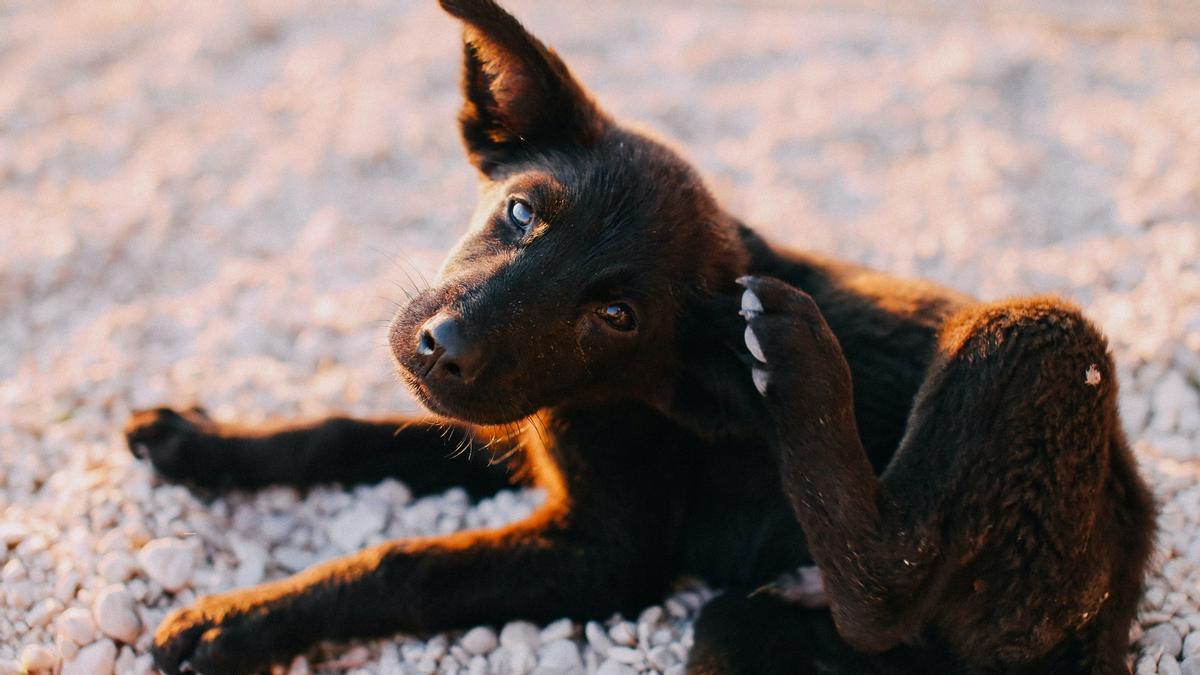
(588, 243)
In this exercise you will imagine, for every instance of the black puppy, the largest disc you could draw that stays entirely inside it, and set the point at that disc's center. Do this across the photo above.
(703, 403)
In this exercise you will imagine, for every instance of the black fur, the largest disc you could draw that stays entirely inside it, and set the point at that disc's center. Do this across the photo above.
(956, 470)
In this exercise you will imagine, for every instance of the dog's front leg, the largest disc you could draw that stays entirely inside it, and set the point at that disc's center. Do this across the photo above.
(875, 565)
(542, 568)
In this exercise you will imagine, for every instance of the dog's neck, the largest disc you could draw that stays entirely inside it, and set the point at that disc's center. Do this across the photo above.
(710, 391)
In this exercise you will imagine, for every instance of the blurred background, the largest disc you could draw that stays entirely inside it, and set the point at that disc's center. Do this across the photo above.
(221, 202)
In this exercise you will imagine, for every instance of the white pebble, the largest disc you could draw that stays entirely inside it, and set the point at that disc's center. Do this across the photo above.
(623, 633)
(76, 625)
(1190, 666)
(350, 530)
(45, 610)
(169, 562)
(627, 655)
(520, 633)
(38, 659)
(480, 640)
(115, 615)
(1165, 636)
(661, 658)
(116, 566)
(11, 533)
(561, 655)
(252, 562)
(95, 659)
(1191, 644)
(597, 638)
(559, 630)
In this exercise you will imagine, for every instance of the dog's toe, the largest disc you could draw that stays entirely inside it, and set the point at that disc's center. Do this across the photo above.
(754, 346)
(761, 380)
(750, 304)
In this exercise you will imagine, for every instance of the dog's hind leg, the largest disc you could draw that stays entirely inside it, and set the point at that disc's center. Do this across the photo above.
(764, 634)
(429, 456)
(1011, 525)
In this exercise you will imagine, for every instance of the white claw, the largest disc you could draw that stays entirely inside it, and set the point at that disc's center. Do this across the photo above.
(751, 305)
(760, 380)
(753, 345)
(805, 588)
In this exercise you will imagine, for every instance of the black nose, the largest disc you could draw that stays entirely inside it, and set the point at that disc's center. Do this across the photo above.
(444, 353)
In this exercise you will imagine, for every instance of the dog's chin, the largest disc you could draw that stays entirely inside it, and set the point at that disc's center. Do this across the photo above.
(478, 412)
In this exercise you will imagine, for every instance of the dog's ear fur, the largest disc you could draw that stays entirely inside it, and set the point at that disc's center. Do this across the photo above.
(519, 97)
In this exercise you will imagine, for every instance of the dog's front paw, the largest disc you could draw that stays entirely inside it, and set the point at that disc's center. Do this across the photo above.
(180, 445)
(797, 360)
(217, 635)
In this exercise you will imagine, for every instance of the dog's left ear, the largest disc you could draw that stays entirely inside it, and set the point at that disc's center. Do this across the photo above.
(520, 98)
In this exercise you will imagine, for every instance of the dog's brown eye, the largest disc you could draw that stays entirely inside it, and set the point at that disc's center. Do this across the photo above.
(520, 214)
(618, 315)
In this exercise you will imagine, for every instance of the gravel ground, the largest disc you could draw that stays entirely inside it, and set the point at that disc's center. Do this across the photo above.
(219, 203)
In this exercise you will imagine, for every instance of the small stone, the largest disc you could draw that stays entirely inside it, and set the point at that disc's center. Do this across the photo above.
(520, 633)
(1168, 666)
(115, 615)
(38, 659)
(627, 655)
(1191, 644)
(1165, 636)
(559, 630)
(76, 625)
(169, 562)
(66, 587)
(293, 559)
(350, 530)
(623, 633)
(12, 571)
(95, 659)
(1190, 666)
(479, 641)
(12, 533)
(252, 562)
(116, 566)
(43, 612)
(19, 596)
(561, 655)
(661, 658)
(597, 638)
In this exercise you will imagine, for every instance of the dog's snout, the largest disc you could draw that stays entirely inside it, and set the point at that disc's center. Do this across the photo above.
(445, 353)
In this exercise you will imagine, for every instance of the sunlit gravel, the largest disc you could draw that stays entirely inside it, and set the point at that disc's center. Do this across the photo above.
(220, 203)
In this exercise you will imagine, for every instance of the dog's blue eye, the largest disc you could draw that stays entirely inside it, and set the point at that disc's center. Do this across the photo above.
(520, 213)
(618, 315)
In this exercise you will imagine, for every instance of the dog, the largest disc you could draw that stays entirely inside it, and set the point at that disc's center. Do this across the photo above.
(698, 401)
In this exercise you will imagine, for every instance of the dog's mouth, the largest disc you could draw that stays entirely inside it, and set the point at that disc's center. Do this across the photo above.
(465, 406)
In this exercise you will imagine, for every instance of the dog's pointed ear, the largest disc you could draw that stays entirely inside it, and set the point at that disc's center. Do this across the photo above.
(519, 97)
